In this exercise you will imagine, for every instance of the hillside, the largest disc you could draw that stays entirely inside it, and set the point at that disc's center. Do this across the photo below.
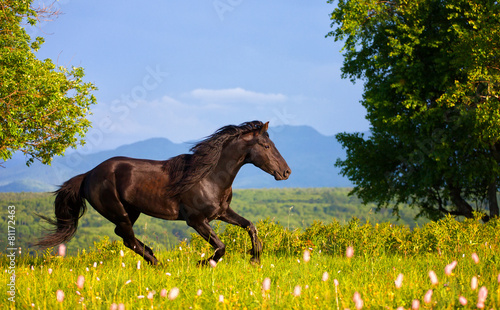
(293, 208)
(310, 155)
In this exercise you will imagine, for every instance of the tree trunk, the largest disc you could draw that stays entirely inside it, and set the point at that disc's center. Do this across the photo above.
(464, 208)
(492, 189)
(492, 199)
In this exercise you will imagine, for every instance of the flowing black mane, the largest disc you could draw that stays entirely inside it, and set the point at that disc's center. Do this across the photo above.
(187, 169)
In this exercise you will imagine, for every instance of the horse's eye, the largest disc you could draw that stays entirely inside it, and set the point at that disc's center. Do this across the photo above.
(266, 146)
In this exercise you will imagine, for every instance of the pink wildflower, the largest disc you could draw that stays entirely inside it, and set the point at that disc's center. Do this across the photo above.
(433, 277)
(481, 298)
(212, 263)
(113, 307)
(59, 295)
(462, 300)
(80, 281)
(296, 291)
(266, 284)
(174, 292)
(163, 292)
(475, 258)
(325, 276)
(415, 305)
(349, 252)
(221, 298)
(62, 250)
(307, 256)
(150, 295)
(448, 270)
(336, 282)
(50, 270)
(358, 302)
(399, 281)
(473, 283)
(428, 297)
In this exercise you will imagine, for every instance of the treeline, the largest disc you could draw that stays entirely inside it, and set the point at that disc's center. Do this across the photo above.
(292, 208)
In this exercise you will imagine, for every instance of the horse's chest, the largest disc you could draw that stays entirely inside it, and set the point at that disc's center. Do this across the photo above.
(217, 209)
(208, 204)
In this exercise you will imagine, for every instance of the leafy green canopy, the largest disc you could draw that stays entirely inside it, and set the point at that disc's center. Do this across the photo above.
(431, 72)
(43, 109)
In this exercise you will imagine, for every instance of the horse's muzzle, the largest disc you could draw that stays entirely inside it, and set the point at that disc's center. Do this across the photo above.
(282, 176)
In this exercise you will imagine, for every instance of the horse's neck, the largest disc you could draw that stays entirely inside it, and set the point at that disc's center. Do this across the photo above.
(230, 162)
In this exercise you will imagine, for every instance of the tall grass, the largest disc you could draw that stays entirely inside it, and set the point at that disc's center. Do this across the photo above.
(381, 253)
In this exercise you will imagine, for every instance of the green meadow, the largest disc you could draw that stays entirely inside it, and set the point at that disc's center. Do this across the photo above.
(294, 208)
(301, 268)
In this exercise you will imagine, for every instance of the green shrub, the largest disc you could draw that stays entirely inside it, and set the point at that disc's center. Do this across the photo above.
(447, 237)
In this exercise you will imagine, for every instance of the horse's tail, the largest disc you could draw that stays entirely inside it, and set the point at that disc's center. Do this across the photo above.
(69, 207)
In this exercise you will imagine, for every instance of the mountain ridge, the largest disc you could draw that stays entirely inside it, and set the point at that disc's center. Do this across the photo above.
(310, 155)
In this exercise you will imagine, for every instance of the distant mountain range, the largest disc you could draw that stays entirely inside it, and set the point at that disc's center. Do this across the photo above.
(310, 155)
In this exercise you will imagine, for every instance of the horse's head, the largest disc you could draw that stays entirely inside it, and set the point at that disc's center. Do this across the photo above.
(263, 153)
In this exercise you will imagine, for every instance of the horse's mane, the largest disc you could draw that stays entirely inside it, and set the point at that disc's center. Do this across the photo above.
(187, 169)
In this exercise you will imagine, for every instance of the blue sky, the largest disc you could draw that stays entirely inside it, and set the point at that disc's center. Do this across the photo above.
(182, 69)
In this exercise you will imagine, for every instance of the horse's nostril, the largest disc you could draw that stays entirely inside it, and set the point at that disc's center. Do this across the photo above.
(287, 173)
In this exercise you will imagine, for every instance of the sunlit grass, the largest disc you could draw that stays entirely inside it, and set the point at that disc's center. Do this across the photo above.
(295, 273)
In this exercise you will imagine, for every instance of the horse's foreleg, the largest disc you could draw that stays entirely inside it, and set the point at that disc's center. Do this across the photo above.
(233, 218)
(204, 229)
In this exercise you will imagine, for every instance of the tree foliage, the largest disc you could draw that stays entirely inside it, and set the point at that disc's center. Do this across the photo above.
(431, 72)
(43, 108)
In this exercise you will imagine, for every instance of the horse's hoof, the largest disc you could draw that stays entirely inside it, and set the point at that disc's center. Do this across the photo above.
(153, 262)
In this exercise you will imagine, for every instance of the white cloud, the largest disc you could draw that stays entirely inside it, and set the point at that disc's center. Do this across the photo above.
(198, 113)
(236, 95)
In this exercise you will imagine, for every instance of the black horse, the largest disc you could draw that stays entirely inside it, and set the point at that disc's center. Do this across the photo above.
(195, 188)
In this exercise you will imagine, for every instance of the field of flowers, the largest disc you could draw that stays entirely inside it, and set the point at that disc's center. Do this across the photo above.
(442, 265)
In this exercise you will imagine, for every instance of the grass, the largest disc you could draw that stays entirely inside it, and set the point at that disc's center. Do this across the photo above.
(236, 284)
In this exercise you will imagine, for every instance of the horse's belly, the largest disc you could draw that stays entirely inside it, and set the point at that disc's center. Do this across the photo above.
(148, 196)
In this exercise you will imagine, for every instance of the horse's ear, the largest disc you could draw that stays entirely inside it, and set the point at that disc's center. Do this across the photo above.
(264, 127)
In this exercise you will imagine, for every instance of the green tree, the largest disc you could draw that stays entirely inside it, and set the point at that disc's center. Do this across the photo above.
(431, 72)
(43, 108)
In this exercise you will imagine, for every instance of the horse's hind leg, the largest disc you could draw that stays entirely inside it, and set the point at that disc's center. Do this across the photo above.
(133, 216)
(124, 229)
(102, 194)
